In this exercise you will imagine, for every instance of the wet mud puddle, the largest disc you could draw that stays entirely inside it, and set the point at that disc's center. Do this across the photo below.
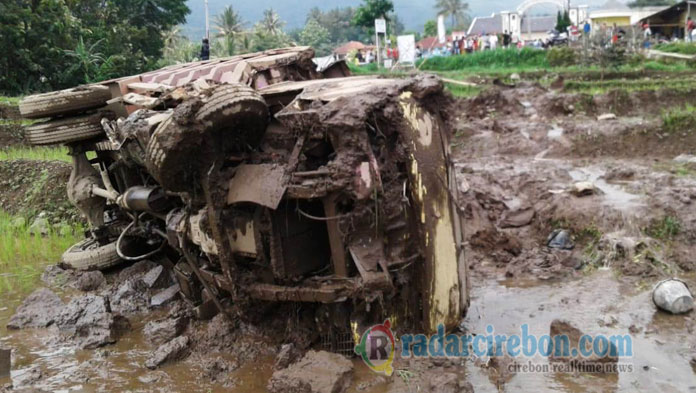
(661, 346)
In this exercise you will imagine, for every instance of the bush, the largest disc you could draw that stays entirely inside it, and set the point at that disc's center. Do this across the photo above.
(685, 48)
(561, 57)
(501, 58)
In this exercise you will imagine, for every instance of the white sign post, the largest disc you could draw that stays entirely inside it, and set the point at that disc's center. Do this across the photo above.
(441, 31)
(380, 28)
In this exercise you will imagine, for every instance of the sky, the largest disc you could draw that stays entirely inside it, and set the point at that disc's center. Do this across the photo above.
(413, 13)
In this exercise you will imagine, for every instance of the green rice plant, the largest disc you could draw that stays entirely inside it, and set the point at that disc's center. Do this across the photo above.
(14, 101)
(35, 154)
(24, 255)
(679, 119)
(502, 58)
(685, 48)
(463, 91)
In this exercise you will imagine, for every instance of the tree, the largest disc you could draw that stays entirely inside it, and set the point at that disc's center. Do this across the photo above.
(650, 3)
(89, 60)
(430, 28)
(230, 26)
(272, 22)
(370, 10)
(562, 21)
(338, 22)
(397, 27)
(455, 9)
(316, 36)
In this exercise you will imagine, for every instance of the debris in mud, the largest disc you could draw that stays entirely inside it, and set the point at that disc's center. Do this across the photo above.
(219, 369)
(130, 297)
(174, 350)
(55, 276)
(165, 296)
(500, 369)
(673, 296)
(5, 362)
(136, 270)
(163, 330)
(565, 328)
(88, 321)
(39, 310)
(157, 277)
(317, 372)
(287, 355)
(560, 239)
(517, 218)
(26, 377)
(450, 383)
(89, 281)
(583, 188)
(606, 116)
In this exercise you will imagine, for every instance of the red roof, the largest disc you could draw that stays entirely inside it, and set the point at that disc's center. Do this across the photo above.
(431, 42)
(348, 47)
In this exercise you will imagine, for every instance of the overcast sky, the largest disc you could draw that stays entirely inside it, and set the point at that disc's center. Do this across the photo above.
(413, 13)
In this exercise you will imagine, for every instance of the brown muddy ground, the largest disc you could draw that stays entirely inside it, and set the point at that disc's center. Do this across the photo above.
(519, 152)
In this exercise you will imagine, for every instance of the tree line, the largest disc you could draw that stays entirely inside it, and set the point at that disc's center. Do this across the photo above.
(52, 44)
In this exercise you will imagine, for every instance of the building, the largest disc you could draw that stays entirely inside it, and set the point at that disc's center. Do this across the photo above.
(614, 12)
(526, 28)
(670, 22)
(342, 51)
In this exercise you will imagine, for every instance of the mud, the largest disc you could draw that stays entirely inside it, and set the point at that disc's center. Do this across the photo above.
(518, 153)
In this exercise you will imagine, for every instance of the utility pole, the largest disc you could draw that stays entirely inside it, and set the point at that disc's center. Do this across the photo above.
(207, 22)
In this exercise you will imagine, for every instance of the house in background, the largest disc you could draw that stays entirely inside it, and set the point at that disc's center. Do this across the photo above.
(342, 51)
(670, 22)
(530, 28)
(614, 12)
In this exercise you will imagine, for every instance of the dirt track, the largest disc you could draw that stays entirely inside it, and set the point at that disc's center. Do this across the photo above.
(519, 152)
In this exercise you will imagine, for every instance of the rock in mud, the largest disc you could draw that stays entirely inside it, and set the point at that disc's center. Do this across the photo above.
(89, 281)
(317, 372)
(56, 276)
(136, 270)
(565, 328)
(174, 350)
(130, 297)
(38, 310)
(450, 383)
(606, 116)
(161, 331)
(516, 218)
(583, 188)
(287, 354)
(165, 296)
(26, 377)
(89, 322)
(157, 277)
(560, 238)
(219, 369)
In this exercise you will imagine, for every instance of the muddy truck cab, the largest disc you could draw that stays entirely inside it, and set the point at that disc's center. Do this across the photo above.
(260, 180)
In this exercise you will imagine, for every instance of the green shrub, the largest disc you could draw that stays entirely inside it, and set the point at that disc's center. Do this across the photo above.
(501, 58)
(561, 57)
(679, 119)
(685, 48)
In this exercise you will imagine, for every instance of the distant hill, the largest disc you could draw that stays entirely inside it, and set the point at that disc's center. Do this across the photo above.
(413, 13)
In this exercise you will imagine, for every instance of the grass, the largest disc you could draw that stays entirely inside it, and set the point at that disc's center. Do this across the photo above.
(23, 255)
(685, 48)
(503, 58)
(679, 119)
(463, 91)
(14, 101)
(666, 228)
(35, 154)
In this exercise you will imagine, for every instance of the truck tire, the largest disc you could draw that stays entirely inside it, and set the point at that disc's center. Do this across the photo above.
(64, 102)
(233, 118)
(90, 255)
(71, 129)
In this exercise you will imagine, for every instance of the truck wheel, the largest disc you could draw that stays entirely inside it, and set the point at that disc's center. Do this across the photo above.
(233, 118)
(90, 255)
(64, 102)
(71, 129)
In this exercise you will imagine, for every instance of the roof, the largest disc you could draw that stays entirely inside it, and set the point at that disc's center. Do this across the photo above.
(679, 7)
(348, 47)
(538, 23)
(486, 24)
(430, 42)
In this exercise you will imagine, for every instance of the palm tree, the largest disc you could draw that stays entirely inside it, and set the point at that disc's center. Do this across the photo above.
(230, 25)
(271, 22)
(455, 9)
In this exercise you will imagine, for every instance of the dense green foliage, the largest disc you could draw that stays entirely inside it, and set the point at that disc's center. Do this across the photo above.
(561, 56)
(370, 10)
(456, 10)
(50, 44)
(685, 48)
(526, 57)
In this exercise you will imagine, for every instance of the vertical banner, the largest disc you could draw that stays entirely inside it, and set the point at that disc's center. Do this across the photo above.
(441, 31)
(407, 48)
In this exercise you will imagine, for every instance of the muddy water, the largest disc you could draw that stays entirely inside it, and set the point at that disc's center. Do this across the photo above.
(660, 362)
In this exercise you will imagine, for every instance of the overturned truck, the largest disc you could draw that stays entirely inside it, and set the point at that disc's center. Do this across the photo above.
(259, 178)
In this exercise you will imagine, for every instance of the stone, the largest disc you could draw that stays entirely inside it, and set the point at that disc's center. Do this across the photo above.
(136, 270)
(583, 188)
(316, 372)
(174, 350)
(89, 281)
(130, 297)
(516, 218)
(40, 227)
(39, 310)
(286, 355)
(449, 383)
(574, 356)
(26, 377)
(161, 331)
(606, 116)
(165, 296)
(157, 277)
(89, 322)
